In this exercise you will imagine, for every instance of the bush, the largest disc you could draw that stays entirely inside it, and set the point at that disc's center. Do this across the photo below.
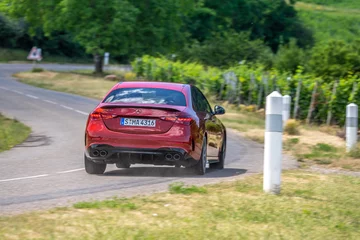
(130, 76)
(250, 108)
(35, 70)
(292, 127)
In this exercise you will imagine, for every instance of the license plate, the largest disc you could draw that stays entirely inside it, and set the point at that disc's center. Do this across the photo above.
(137, 122)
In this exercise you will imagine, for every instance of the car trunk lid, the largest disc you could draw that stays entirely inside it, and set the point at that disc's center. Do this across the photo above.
(140, 118)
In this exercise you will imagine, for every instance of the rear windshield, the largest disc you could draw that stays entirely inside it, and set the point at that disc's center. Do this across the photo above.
(146, 96)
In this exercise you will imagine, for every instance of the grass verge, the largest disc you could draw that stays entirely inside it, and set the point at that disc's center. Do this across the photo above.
(12, 132)
(80, 84)
(309, 207)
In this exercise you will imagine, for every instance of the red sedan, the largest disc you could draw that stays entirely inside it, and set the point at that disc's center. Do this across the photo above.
(154, 123)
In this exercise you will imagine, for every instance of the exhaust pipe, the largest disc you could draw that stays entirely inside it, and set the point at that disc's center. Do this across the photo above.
(177, 157)
(96, 153)
(168, 157)
(103, 153)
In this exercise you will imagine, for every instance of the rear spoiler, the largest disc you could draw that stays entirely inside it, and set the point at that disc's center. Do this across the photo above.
(155, 106)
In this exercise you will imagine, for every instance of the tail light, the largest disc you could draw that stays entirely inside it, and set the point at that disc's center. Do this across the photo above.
(101, 113)
(184, 119)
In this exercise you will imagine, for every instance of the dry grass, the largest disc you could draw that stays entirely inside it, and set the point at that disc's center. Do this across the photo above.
(232, 210)
(83, 85)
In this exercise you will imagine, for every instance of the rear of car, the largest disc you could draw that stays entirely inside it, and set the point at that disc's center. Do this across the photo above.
(148, 123)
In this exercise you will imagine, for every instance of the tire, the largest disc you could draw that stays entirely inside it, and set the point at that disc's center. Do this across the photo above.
(94, 168)
(200, 168)
(222, 154)
(123, 165)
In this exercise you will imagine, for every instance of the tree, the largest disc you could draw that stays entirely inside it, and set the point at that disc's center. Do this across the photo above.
(226, 49)
(335, 59)
(289, 57)
(273, 21)
(97, 25)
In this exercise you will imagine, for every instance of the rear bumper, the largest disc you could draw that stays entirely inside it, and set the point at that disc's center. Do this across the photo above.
(104, 153)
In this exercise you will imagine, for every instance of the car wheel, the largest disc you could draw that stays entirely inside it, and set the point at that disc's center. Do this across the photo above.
(94, 168)
(222, 154)
(123, 165)
(201, 166)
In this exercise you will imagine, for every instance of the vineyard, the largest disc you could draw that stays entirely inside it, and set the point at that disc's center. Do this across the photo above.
(319, 101)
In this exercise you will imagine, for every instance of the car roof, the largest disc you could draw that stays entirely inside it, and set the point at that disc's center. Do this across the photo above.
(164, 85)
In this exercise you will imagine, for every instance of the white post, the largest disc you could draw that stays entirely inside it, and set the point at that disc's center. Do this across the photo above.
(106, 58)
(273, 143)
(351, 126)
(286, 108)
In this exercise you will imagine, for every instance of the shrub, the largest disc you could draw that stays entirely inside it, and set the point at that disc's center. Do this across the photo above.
(292, 127)
(130, 76)
(250, 108)
(35, 70)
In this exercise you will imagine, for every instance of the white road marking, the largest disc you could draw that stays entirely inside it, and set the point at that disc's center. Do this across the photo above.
(31, 96)
(22, 178)
(66, 107)
(15, 91)
(4, 88)
(48, 101)
(70, 171)
(81, 112)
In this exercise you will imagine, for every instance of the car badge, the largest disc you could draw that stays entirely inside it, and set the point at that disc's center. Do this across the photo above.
(138, 111)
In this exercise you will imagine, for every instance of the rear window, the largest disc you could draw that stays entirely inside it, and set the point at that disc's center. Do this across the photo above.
(146, 96)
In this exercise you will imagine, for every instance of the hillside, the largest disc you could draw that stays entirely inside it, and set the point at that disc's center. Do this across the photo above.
(331, 19)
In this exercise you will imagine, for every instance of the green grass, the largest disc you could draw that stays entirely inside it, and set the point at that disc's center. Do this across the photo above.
(322, 153)
(12, 132)
(350, 4)
(8, 55)
(118, 203)
(310, 206)
(331, 23)
(180, 188)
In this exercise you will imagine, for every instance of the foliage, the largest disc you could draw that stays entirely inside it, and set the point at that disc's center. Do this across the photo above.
(292, 127)
(227, 48)
(338, 3)
(208, 31)
(130, 76)
(335, 59)
(211, 81)
(332, 24)
(274, 21)
(289, 57)
(10, 31)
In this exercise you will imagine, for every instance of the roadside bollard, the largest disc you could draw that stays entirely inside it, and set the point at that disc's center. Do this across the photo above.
(286, 108)
(351, 126)
(273, 143)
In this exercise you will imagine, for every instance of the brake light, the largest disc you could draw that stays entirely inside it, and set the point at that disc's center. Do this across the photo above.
(95, 116)
(101, 113)
(185, 120)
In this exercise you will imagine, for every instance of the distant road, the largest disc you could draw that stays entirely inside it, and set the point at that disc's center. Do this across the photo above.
(47, 170)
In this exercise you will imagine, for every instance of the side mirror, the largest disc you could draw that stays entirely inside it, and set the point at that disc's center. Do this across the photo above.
(218, 110)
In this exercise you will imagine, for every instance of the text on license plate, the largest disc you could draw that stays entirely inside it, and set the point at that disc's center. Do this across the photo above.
(138, 122)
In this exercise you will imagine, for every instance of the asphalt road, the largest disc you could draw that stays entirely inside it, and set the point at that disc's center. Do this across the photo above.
(47, 170)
